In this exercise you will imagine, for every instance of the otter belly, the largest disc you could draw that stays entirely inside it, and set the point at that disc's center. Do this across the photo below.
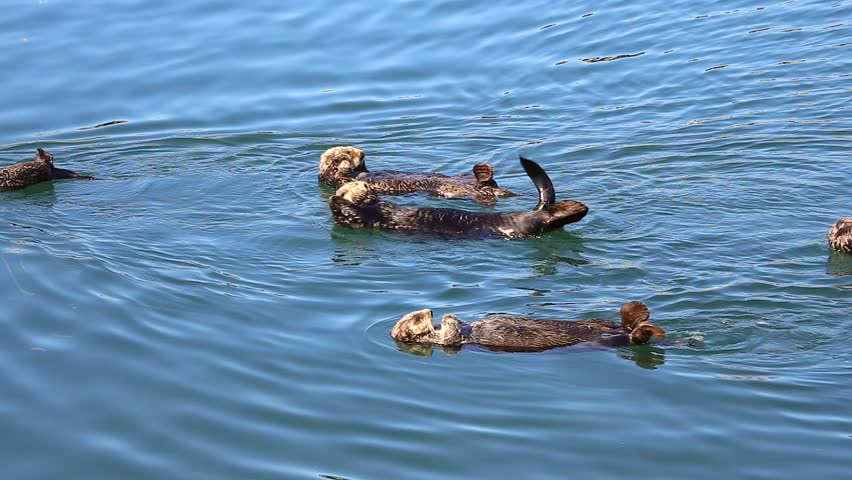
(527, 334)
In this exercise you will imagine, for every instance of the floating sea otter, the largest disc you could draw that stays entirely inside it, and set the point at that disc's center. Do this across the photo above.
(341, 165)
(840, 235)
(522, 334)
(39, 170)
(355, 205)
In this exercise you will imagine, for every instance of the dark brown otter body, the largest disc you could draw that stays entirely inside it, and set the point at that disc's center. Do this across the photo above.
(355, 205)
(522, 334)
(39, 170)
(840, 235)
(341, 165)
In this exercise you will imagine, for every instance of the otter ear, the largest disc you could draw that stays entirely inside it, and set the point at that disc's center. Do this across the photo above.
(641, 334)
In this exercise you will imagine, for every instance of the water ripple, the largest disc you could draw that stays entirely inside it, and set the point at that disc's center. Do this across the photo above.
(195, 313)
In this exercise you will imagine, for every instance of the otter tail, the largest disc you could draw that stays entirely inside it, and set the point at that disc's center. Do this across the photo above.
(546, 193)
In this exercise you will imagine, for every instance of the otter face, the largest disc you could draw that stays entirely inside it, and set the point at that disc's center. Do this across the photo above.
(357, 193)
(354, 205)
(339, 165)
(414, 327)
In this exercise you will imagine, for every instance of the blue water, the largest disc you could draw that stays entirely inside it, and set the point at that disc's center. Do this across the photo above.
(195, 314)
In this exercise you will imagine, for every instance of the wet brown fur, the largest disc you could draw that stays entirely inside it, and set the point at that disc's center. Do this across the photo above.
(41, 169)
(840, 235)
(356, 205)
(344, 164)
(523, 334)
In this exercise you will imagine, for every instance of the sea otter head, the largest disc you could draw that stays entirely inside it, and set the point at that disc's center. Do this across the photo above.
(634, 319)
(339, 165)
(44, 157)
(356, 193)
(414, 327)
(840, 235)
(355, 205)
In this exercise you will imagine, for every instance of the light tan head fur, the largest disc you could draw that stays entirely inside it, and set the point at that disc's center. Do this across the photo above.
(358, 193)
(340, 164)
(417, 327)
(414, 326)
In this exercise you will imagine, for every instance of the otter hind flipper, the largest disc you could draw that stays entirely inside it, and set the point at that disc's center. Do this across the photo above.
(633, 314)
(546, 193)
(641, 334)
(484, 174)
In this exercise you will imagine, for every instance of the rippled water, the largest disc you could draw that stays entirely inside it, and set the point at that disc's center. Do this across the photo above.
(195, 313)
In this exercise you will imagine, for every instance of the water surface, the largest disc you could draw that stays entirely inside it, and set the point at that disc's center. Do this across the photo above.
(196, 314)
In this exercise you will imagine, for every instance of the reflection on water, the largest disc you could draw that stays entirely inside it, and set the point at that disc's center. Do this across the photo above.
(425, 349)
(644, 356)
(839, 264)
(561, 247)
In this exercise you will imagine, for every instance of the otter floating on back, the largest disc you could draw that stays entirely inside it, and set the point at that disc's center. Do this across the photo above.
(41, 169)
(356, 205)
(344, 164)
(523, 334)
(840, 235)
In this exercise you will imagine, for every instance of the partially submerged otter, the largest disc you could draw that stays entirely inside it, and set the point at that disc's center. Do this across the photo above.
(341, 165)
(355, 205)
(41, 169)
(522, 334)
(840, 235)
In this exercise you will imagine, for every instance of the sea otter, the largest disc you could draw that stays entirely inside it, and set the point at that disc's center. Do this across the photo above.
(39, 170)
(355, 205)
(522, 334)
(840, 235)
(341, 165)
